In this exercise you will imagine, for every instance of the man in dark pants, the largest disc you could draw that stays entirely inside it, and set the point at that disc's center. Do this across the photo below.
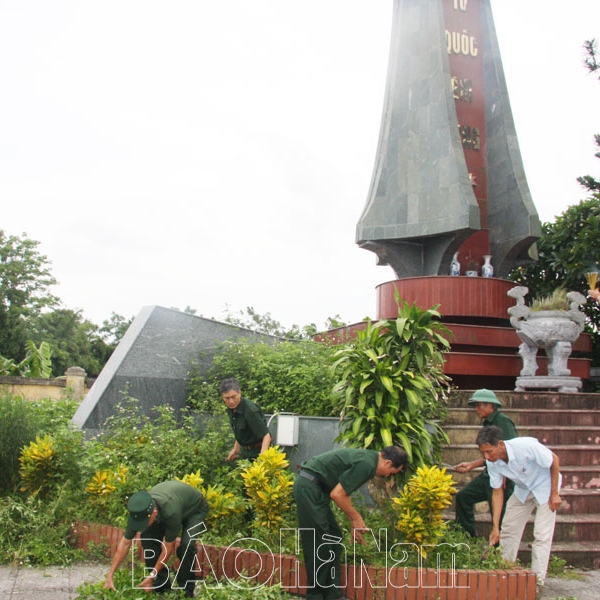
(479, 490)
(163, 512)
(251, 434)
(334, 475)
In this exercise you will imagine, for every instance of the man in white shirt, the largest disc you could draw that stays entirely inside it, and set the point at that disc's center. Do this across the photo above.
(535, 471)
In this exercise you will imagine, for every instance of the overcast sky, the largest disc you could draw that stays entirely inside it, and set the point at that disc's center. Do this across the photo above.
(217, 154)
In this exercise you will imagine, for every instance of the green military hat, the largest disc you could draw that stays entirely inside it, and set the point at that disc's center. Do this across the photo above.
(140, 508)
(484, 395)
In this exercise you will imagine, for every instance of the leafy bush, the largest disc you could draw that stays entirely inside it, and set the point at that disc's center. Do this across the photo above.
(22, 421)
(105, 487)
(35, 531)
(421, 504)
(391, 387)
(18, 426)
(146, 447)
(226, 507)
(38, 462)
(283, 376)
(51, 462)
(268, 483)
(226, 510)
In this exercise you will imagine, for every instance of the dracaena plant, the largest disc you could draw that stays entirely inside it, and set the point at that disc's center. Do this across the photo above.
(391, 388)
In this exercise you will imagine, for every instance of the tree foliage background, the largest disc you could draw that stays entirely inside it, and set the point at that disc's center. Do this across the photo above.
(30, 312)
(25, 279)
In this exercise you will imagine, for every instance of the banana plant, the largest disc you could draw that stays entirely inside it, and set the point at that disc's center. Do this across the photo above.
(37, 362)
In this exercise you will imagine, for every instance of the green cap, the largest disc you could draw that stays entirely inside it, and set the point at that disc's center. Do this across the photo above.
(484, 395)
(140, 508)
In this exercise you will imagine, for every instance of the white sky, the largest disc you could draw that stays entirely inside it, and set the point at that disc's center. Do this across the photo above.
(218, 153)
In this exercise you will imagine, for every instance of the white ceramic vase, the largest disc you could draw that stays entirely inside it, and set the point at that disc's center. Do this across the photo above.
(455, 266)
(487, 270)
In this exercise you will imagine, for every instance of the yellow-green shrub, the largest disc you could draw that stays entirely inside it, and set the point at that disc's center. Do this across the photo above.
(107, 489)
(38, 464)
(268, 484)
(224, 509)
(193, 479)
(106, 482)
(421, 504)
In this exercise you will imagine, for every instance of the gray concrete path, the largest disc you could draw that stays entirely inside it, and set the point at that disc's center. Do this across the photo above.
(60, 583)
(49, 583)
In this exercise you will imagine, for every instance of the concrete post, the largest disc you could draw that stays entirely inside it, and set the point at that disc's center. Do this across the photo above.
(76, 382)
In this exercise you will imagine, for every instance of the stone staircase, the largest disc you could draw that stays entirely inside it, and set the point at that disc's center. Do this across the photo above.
(569, 424)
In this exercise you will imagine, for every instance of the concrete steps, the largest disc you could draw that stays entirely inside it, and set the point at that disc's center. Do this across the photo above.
(574, 476)
(549, 435)
(532, 416)
(569, 424)
(583, 555)
(578, 527)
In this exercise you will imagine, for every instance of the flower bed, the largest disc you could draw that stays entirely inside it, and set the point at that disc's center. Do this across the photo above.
(361, 583)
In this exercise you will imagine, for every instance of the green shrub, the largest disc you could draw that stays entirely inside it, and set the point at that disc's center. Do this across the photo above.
(282, 376)
(226, 510)
(51, 414)
(391, 387)
(19, 425)
(145, 447)
(21, 421)
(35, 531)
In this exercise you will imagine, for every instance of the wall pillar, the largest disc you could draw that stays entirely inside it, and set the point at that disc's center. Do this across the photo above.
(76, 382)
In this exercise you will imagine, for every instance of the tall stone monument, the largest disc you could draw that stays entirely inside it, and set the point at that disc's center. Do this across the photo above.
(448, 175)
(448, 194)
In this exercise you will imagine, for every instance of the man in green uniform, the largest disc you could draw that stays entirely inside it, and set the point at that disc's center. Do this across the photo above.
(334, 475)
(479, 490)
(163, 512)
(247, 421)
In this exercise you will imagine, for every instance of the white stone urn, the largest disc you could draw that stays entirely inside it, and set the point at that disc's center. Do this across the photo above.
(552, 330)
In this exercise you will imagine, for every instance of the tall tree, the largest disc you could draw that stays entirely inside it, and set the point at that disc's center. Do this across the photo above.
(75, 341)
(25, 280)
(114, 329)
(568, 248)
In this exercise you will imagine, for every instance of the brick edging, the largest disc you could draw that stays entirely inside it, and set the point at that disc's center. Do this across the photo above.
(399, 583)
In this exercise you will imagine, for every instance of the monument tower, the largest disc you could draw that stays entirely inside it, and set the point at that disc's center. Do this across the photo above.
(449, 182)
(448, 174)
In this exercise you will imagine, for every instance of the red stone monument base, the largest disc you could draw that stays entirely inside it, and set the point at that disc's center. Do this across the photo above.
(461, 299)
(484, 346)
